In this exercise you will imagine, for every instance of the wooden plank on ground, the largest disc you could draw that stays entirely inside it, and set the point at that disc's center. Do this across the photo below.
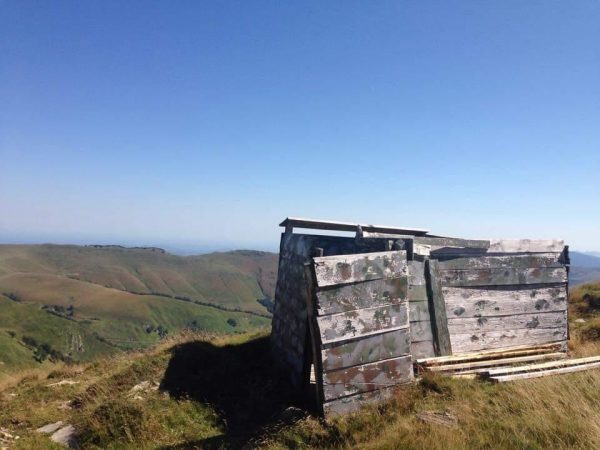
(503, 262)
(513, 322)
(367, 377)
(526, 246)
(437, 306)
(506, 352)
(543, 366)
(544, 373)
(362, 322)
(472, 302)
(366, 350)
(498, 277)
(490, 363)
(348, 297)
(343, 269)
(471, 342)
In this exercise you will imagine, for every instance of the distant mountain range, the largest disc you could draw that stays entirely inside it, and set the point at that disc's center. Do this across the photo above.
(78, 302)
(585, 267)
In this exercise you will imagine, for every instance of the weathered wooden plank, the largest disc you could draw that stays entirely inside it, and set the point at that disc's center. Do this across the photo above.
(421, 331)
(417, 293)
(437, 306)
(316, 224)
(419, 311)
(499, 277)
(366, 350)
(542, 366)
(470, 302)
(544, 373)
(362, 322)
(525, 246)
(490, 363)
(314, 334)
(416, 273)
(439, 241)
(367, 377)
(367, 294)
(519, 350)
(422, 349)
(470, 342)
(514, 322)
(343, 269)
(503, 262)
(353, 403)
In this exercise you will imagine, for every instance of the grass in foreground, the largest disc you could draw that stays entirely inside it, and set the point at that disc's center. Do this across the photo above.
(223, 392)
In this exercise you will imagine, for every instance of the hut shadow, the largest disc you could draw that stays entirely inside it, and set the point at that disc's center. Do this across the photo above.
(239, 381)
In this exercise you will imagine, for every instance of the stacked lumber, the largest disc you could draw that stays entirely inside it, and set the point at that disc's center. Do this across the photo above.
(504, 374)
(471, 365)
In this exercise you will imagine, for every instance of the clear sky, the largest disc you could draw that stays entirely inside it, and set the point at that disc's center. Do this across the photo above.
(205, 123)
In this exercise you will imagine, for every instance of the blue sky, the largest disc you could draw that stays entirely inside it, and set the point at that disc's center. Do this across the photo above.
(204, 123)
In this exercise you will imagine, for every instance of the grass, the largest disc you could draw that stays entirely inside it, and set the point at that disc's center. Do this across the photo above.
(218, 391)
(225, 392)
(230, 279)
(77, 300)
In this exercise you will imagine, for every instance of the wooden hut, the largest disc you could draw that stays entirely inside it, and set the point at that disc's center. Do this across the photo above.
(360, 309)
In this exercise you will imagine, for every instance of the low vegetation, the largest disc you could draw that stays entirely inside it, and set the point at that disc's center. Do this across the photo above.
(206, 390)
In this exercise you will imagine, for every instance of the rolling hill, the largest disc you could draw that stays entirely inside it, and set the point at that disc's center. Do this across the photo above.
(76, 303)
(585, 268)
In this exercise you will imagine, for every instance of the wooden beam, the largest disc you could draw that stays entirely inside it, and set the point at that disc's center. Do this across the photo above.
(543, 366)
(487, 354)
(495, 362)
(438, 307)
(526, 246)
(544, 373)
(503, 262)
(315, 224)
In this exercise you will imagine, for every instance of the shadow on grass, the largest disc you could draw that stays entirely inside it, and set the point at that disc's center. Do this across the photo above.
(239, 381)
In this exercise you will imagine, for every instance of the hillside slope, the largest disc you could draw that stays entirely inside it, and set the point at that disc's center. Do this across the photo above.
(201, 391)
(77, 303)
(230, 279)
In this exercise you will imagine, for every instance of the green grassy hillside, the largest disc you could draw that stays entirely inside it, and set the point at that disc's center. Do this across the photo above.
(202, 391)
(77, 303)
(233, 280)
